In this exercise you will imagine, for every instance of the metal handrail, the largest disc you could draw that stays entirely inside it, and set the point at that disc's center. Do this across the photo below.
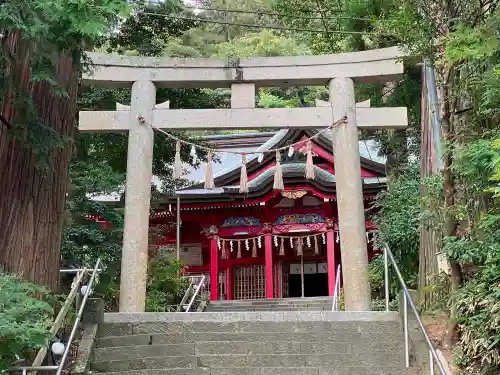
(336, 293)
(59, 368)
(77, 270)
(197, 291)
(186, 294)
(73, 294)
(433, 356)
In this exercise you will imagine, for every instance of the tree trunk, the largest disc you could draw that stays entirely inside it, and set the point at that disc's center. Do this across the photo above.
(32, 198)
(429, 239)
(446, 75)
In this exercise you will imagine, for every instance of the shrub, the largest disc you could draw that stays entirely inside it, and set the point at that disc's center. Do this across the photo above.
(165, 287)
(25, 319)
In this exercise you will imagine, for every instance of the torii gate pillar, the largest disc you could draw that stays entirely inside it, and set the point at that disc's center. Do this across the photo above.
(350, 198)
(134, 267)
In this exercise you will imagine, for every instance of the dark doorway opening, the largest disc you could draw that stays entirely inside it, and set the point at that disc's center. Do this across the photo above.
(315, 285)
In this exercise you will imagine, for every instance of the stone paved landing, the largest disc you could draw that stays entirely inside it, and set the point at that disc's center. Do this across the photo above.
(278, 304)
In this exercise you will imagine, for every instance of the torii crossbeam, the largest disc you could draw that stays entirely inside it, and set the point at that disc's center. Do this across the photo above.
(243, 76)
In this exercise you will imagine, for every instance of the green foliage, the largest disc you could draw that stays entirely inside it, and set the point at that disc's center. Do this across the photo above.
(147, 32)
(469, 43)
(83, 240)
(166, 287)
(404, 24)
(25, 319)
(478, 308)
(268, 100)
(398, 221)
(477, 249)
(474, 48)
(265, 44)
(51, 28)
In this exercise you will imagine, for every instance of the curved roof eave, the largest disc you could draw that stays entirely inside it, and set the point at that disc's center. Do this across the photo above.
(279, 140)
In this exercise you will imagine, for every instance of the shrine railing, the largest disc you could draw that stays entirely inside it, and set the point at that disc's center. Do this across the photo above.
(194, 293)
(78, 288)
(336, 293)
(408, 301)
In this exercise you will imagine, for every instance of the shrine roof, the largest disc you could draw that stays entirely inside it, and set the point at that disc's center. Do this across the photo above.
(229, 162)
(292, 173)
(227, 172)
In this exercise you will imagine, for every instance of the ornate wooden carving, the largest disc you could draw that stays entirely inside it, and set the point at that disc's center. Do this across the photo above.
(296, 194)
(329, 223)
(210, 231)
(241, 221)
(267, 228)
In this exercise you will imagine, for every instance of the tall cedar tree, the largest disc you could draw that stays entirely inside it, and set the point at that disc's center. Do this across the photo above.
(32, 199)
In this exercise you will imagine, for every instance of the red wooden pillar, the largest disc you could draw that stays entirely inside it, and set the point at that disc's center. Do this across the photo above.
(277, 275)
(330, 256)
(229, 283)
(268, 256)
(214, 269)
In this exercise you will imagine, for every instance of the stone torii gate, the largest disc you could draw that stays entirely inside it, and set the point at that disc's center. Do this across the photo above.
(243, 77)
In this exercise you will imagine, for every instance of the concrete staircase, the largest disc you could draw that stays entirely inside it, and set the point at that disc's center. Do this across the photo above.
(279, 304)
(250, 343)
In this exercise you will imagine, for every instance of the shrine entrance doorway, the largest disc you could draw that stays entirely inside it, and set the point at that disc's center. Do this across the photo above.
(313, 276)
(250, 282)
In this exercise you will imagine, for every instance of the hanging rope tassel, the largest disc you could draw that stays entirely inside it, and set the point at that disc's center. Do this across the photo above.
(316, 247)
(209, 174)
(238, 254)
(300, 246)
(193, 154)
(243, 175)
(282, 247)
(177, 161)
(224, 250)
(278, 173)
(254, 248)
(309, 162)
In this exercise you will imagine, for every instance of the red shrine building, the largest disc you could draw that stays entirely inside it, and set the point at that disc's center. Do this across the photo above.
(265, 243)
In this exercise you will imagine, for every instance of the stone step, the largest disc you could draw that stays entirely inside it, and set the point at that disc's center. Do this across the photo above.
(323, 337)
(266, 303)
(271, 337)
(275, 300)
(184, 361)
(336, 330)
(136, 361)
(258, 303)
(269, 308)
(270, 303)
(355, 370)
(389, 359)
(247, 347)
(343, 323)
(125, 353)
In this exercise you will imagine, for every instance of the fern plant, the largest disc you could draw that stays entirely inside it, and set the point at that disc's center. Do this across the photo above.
(25, 319)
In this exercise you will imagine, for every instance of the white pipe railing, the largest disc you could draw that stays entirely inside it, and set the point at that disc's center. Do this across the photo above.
(197, 291)
(60, 367)
(407, 300)
(180, 306)
(336, 293)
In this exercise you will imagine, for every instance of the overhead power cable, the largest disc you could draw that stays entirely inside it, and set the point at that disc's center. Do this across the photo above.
(272, 27)
(268, 13)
